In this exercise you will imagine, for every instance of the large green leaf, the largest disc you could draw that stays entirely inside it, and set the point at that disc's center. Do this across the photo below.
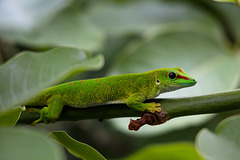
(236, 1)
(119, 18)
(224, 144)
(228, 12)
(11, 117)
(229, 128)
(78, 149)
(28, 144)
(19, 17)
(69, 28)
(25, 75)
(216, 147)
(175, 151)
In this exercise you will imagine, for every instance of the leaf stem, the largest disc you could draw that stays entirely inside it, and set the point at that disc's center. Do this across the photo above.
(213, 103)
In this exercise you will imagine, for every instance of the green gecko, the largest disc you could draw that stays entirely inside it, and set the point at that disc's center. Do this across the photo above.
(132, 89)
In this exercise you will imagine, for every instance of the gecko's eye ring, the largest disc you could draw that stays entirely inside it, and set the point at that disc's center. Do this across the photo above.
(158, 81)
(172, 75)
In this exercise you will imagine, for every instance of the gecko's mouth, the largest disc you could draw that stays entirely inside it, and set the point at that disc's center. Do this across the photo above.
(189, 83)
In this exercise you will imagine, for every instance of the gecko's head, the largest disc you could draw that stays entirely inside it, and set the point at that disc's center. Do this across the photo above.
(176, 78)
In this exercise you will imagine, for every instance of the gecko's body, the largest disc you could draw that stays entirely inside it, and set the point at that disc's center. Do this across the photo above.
(131, 89)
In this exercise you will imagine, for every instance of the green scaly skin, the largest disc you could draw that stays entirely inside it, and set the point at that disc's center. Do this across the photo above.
(132, 89)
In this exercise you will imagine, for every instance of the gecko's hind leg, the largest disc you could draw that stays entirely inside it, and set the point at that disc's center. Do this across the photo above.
(51, 113)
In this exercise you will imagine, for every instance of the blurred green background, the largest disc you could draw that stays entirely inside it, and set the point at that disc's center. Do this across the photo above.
(201, 36)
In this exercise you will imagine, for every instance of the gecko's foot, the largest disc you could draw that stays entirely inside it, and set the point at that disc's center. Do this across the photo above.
(34, 110)
(44, 116)
(35, 122)
(150, 119)
(155, 107)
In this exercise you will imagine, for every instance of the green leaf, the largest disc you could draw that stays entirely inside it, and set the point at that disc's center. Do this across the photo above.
(216, 147)
(41, 24)
(78, 149)
(25, 75)
(18, 17)
(70, 28)
(179, 151)
(229, 128)
(119, 18)
(225, 0)
(11, 117)
(224, 144)
(234, 1)
(28, 144)
(228, 13)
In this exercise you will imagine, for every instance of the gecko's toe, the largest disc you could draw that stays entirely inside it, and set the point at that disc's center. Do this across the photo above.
(34, 110)
(35, 122)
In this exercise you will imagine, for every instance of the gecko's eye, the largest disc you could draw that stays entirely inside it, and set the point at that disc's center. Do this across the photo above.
(172, 75)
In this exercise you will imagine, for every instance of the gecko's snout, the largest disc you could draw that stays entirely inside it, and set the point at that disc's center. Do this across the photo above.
(194, 82)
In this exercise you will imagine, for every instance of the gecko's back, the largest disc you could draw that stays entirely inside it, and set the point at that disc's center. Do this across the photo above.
(84, 93)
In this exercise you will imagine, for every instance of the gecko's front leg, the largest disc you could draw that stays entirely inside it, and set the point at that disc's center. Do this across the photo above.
(136, 102)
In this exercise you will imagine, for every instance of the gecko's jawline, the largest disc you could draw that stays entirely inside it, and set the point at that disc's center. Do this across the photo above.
(188, 84)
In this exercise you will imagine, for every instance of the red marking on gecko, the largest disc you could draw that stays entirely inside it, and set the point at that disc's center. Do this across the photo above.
(182, 77)
(81, 81)
(101, 82)
(70, 83)
(96, 80)
(180, 70)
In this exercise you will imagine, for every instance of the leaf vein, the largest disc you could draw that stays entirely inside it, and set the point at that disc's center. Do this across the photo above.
(25, 86)
(40, 79)
(11, 83)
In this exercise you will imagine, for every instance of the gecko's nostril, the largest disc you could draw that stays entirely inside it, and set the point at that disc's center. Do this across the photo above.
(194, 81)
